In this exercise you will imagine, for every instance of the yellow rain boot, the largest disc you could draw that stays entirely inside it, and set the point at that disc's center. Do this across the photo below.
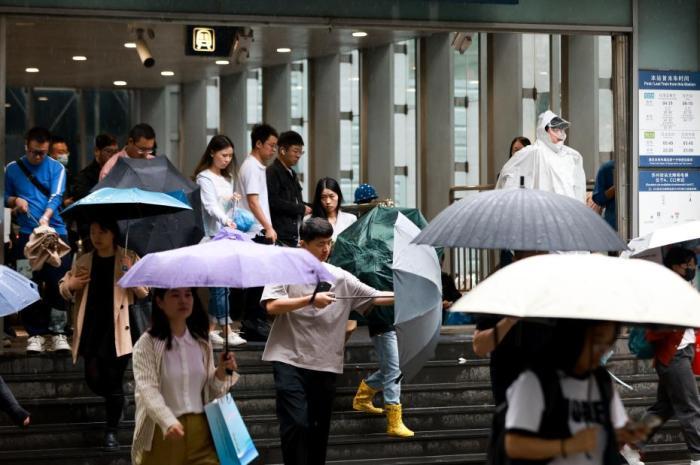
(395, 426)
(363, 399)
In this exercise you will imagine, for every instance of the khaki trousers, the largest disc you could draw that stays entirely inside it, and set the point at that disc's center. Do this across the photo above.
(196, 448)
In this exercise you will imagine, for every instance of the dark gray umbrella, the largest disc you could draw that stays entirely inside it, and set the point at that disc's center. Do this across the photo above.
(520, 219)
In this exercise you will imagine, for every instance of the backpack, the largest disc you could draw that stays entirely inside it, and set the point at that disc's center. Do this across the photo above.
(638, 344)
(554, 424)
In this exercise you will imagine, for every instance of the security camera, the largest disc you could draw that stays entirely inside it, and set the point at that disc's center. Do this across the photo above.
(462, 41)
(243, 44)
(142, 48)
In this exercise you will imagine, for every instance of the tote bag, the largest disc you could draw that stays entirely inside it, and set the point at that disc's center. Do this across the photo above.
(233, 443)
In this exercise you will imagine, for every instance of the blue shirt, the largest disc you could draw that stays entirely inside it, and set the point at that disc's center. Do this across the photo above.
(604, 180)
(48, 173)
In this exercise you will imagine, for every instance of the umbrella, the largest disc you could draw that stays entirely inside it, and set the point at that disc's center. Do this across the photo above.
(227, 262)
(45, 246)
(16, 291)
(163, 232)
(124, 204)
(650, 245)
(418, 301)
(589, 287)
(520, 219)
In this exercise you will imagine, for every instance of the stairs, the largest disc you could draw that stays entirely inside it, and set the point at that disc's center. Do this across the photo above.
(448, 405)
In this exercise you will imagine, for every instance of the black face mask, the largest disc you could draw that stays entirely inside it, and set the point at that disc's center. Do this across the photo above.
(689, 274)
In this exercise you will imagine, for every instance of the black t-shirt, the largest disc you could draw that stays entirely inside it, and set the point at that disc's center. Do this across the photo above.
(520, 348)
(97, 337)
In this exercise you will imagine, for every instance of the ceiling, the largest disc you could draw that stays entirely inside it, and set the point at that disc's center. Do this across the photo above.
(49, 43)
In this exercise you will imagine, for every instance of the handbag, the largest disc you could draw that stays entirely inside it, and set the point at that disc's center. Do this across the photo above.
(139, 318)
(232, 441)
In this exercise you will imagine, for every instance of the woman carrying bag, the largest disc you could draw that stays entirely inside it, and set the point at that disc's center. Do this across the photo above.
(102, 329)
(175, 377)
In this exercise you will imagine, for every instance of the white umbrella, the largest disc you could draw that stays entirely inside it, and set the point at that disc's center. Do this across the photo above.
(649, 246)
(418, 304)
(589, 287)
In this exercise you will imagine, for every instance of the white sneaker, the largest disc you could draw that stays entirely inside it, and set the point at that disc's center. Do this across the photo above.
(632, 455)
(36, 344)
(695, 462)
(215, 339)
(60, 343)
(235, 339)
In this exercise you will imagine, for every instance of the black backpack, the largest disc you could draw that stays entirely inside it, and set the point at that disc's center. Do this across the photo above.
(555, 420)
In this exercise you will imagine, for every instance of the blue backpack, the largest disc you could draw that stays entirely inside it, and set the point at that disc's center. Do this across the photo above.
(638, 344)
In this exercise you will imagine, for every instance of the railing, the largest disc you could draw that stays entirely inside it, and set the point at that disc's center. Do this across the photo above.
(469, 266)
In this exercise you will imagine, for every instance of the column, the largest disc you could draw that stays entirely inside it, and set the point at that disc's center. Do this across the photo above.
(3, 154)
(277, 98)
(378, 76)
(436, 123)
(324, 118)
(582, 89)
(234, 105)
(194, 125)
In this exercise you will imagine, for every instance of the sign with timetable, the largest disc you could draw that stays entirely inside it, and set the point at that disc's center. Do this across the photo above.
(669, 119)
(668, 197)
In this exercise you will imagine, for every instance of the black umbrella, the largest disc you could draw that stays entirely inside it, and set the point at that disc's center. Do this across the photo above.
(163, 232)
(520, 219)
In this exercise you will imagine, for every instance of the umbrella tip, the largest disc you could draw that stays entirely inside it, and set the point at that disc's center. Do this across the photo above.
(522, 182)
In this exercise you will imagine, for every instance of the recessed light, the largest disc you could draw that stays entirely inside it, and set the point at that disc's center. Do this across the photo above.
(119, 83)
(167, 73)
(43, 99)
(284, 50)
(222, 62)
(79, 58)
(32, 70)
(8, 105)
(359, 34)
(130, 44)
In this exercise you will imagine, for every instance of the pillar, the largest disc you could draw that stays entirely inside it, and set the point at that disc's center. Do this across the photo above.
(324, 118)
(277, 97)
(234, 105)
(194, 125)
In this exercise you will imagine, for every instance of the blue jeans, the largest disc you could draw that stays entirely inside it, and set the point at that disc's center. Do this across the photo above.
(218, 305)
(385, 379)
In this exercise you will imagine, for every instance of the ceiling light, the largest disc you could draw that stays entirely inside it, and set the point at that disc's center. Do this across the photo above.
(79, 58)
(284, 50)
(43, 99)
(222, 62)
(8, 105)
(359, 34)
(167, 73)
(119, 83)
(130, 44)
(32, 70)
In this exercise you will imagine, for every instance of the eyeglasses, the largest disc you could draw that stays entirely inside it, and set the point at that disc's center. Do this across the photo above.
(109, 150)
(141, 151)
(36, 153)
(272, 146)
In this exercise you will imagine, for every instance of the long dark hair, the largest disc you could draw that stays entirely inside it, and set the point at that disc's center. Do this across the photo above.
(197, 322)
(218, 142)
(523, 140)
(325, 183)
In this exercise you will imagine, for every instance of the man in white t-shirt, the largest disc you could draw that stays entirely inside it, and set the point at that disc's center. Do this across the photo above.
(306, 347)
(253, 180)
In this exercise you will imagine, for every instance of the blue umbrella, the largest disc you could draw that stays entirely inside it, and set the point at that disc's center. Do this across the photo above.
(125, 204)
(16, 291)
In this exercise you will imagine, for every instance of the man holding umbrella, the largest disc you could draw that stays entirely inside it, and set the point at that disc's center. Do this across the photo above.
(306, 346)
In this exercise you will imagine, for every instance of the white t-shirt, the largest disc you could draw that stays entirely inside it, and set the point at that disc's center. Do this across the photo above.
(252, 180)
(526, 406)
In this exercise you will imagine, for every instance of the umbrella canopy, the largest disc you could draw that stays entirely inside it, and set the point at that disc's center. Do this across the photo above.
(124, 204)
(589, 287)
(226, 263)
(163, 232)
(16, 291)
(520, 219)
(418, 298)
(650, 245)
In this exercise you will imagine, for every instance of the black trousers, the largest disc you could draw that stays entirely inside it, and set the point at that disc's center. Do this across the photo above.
(9, 405)
(105, 377)
(304, 405)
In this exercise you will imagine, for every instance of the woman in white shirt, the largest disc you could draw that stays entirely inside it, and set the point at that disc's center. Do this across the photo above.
(174, 378)
(215, 174)
(327, 201)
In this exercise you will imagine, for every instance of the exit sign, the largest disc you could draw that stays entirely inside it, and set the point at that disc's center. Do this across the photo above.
(211, 41)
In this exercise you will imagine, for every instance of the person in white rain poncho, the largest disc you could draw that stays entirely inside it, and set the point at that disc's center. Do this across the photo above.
(548, 164)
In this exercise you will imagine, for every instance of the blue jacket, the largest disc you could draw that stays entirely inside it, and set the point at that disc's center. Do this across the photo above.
(604, 180)
(50, 174)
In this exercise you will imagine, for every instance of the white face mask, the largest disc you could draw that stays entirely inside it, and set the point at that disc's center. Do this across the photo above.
(63, 159)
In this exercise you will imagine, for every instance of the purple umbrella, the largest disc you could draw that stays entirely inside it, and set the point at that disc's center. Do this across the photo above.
(228, 262)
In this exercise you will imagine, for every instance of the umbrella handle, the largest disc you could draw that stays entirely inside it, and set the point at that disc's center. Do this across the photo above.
(126, 245)
(226, 351)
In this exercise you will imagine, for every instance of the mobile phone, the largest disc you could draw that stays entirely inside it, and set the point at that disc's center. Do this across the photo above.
(322, 286)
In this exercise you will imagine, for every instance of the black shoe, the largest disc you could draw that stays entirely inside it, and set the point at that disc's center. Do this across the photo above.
(111, 442)
(255, 330)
